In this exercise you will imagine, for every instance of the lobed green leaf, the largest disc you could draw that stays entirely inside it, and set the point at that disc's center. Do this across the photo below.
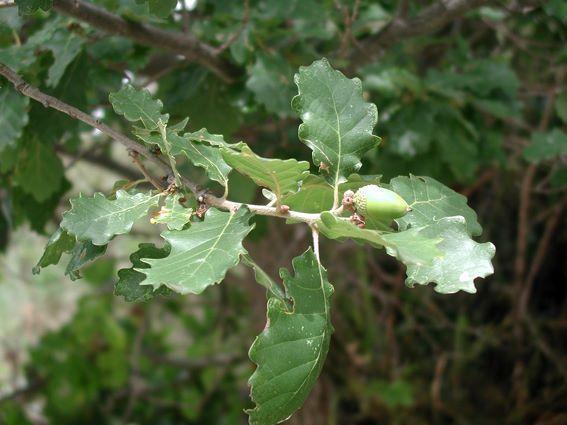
(201, 155)
(461, 262)
(201, 255)
(138, 105)
(337, 122)
(432, 201)
(217, 140)
(98, 219)
(291, 350)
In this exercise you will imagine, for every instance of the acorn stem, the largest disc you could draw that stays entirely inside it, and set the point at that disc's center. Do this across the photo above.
(336, 197)
(315, 234)
(337, 211)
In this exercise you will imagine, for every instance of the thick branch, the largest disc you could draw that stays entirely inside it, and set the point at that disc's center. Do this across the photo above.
(429, 20)
(179, 43)
(52, 102)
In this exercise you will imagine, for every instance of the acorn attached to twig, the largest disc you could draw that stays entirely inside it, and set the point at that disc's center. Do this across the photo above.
(376, 203)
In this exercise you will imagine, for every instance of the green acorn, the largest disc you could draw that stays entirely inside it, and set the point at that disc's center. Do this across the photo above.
(377, 203)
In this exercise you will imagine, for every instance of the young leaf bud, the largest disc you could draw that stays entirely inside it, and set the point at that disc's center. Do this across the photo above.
(380, 204)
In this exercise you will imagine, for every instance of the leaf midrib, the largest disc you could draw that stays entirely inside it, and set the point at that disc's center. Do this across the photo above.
(324, 335)
(212, 163)
(212, 248)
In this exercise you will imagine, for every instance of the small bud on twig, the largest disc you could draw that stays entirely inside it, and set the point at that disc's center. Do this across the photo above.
(348, 200)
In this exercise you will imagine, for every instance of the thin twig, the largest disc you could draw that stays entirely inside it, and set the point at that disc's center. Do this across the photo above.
(523, 224)
(54, 103)
(484, 178)
(436, 384)
(155, 182)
